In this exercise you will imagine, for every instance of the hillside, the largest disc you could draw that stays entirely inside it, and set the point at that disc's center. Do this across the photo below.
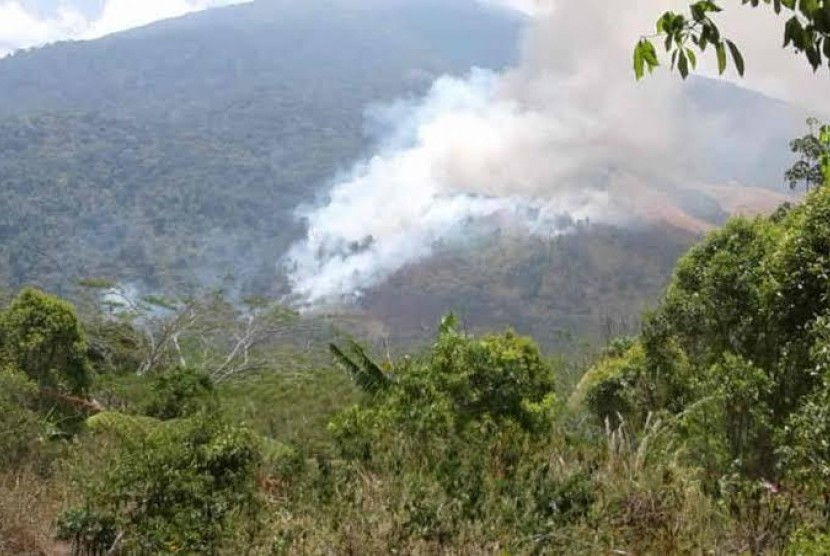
(538, 310)
(588, 286)
(172, 157)
(177, 152)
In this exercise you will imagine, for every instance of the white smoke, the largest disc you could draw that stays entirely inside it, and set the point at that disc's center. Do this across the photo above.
(567, 131)
(449, 163)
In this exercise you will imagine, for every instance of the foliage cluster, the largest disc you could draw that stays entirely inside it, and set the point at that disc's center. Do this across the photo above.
(735, 355)
(807, 30)
(703, 432)
(176, 487)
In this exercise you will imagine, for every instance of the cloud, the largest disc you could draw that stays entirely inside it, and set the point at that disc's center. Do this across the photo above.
(21, 27)
(119, 15)
(527, 7)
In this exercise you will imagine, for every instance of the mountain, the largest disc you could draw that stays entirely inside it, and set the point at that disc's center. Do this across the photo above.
(177, 152)
(174, 155)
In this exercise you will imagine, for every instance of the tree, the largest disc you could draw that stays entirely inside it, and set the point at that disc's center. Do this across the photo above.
(807, 30)
(813, 166)
(737, 349)
(206, 332)
(40, 335)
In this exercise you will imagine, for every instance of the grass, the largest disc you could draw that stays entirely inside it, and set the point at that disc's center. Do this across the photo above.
(29, 504)
(292, 407)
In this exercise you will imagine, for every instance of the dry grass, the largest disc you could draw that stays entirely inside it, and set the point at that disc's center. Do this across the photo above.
(28, 507)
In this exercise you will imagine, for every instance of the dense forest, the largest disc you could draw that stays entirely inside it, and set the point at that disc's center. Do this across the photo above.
(172, 155)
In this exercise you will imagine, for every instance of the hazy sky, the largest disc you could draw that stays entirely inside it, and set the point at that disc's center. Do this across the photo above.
(26, 23)
(771, 70)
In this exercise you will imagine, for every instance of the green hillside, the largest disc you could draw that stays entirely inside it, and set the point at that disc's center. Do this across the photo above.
(172, 158)
(175, 154)
(705, 430)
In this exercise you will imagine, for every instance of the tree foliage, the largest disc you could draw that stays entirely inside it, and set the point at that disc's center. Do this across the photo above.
(746, 311)
(813, 167)
(21, 427)
(807, 30)
(179, 487)
(41, 336)
(180, 393)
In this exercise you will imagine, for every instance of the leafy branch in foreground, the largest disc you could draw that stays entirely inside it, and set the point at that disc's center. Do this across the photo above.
(807, 30)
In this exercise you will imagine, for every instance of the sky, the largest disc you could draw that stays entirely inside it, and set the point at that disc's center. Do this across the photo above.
(771, 70)
(29, 23)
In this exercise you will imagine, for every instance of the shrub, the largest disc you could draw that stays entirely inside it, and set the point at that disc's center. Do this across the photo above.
(180, 393)
(20, 425)
(184, 486)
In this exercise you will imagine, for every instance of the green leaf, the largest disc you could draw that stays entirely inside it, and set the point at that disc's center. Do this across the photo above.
(737, 57)
(683, 64)
(692, 58)
(367, 374)
(793, 32)
(650, 56)
(814, 57)
(721, 50)
(639, 61)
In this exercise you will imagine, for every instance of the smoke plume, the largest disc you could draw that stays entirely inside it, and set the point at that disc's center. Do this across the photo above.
(567, 132)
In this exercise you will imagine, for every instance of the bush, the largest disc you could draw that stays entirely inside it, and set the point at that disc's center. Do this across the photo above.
(180, 393)
(20, 425)
(185, 486)
(462, 382)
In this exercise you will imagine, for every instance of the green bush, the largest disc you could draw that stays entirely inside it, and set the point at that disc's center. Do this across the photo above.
(463, 383)
(176, 487)
(179, 393)
(21, 427)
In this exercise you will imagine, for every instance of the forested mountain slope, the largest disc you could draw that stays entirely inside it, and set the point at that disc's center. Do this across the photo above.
(174, 155)
(177, 152)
